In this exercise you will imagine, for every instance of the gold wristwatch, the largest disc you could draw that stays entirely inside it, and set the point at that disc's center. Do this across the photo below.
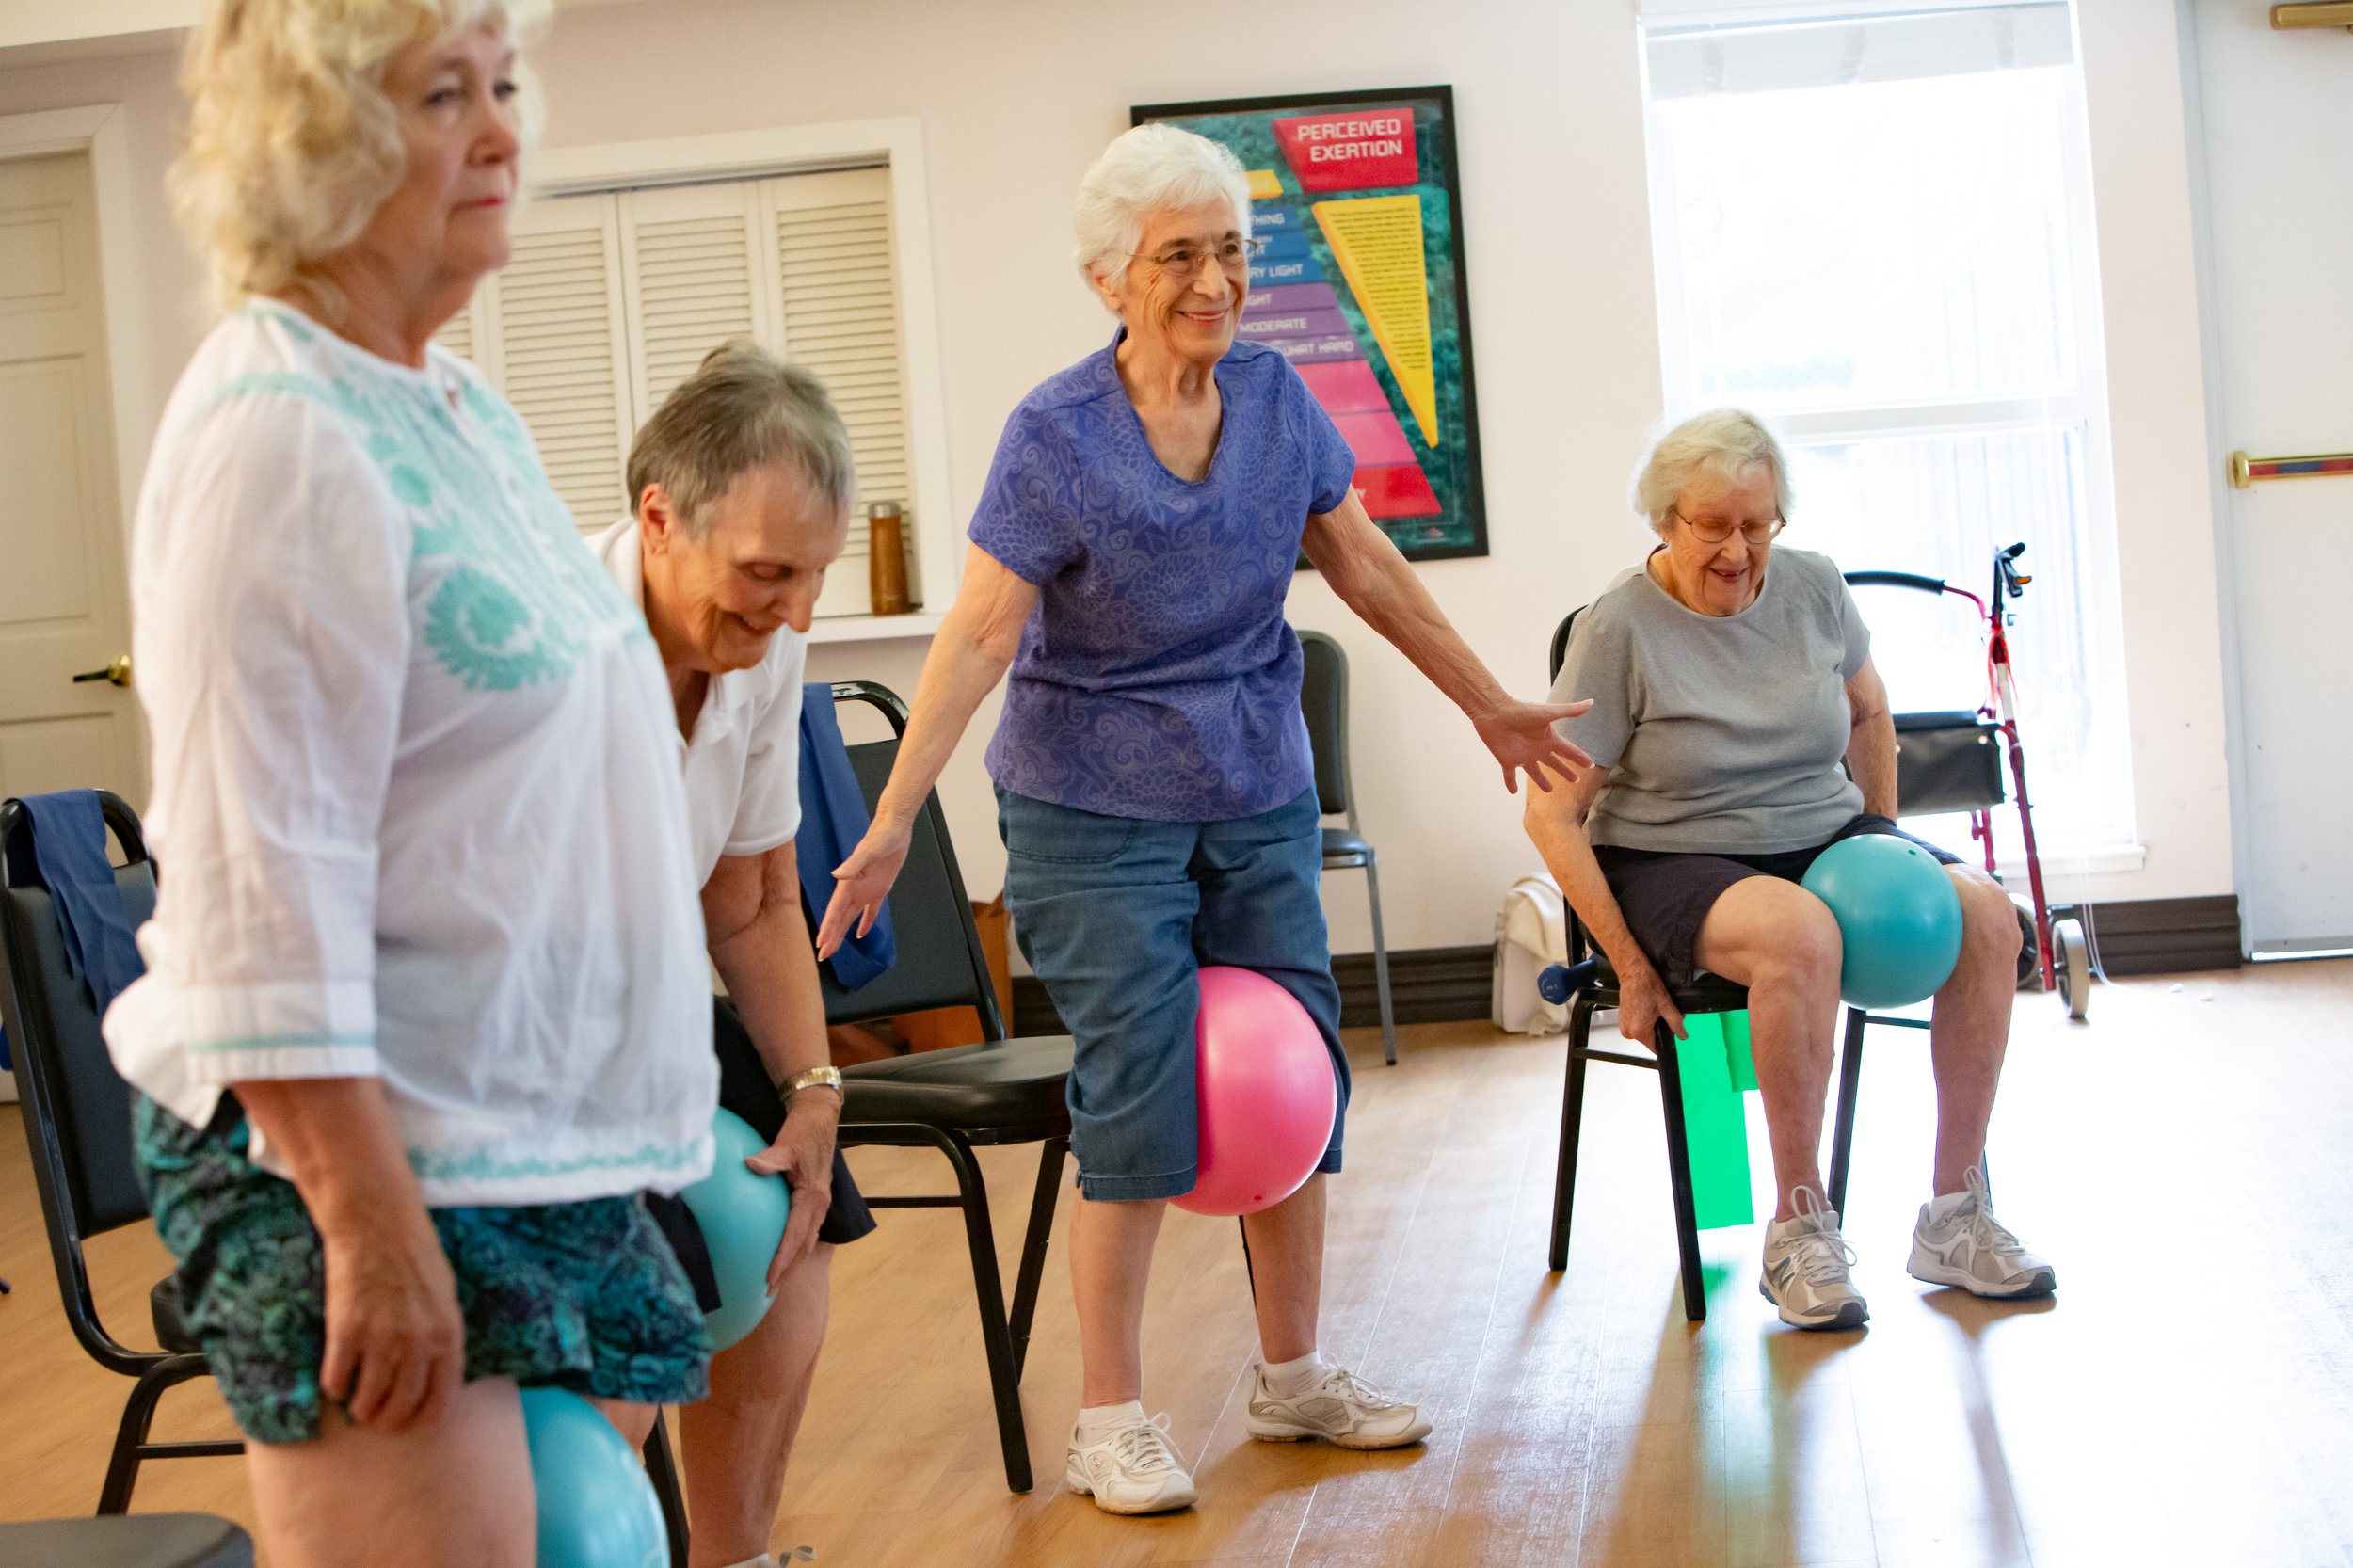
(816, 1078)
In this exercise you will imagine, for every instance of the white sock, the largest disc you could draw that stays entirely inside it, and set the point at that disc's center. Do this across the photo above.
(1290, 1377)
(1944, 1208)
(1100, 1421)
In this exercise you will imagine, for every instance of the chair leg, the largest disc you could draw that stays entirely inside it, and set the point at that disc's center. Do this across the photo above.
(1571, 1118)
(662, 1470)
(1004, 1371)
(1849, 1083)
(1381, 965)
(1025, 1285)
(1679, 1176)
(138, 1415)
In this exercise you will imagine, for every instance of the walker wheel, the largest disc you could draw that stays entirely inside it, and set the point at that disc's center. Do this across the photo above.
(2073, 962)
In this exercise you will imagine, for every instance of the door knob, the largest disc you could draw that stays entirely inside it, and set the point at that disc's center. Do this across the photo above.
(116, 673)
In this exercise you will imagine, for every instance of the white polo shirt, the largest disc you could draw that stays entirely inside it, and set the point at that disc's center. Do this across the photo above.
(744, 763)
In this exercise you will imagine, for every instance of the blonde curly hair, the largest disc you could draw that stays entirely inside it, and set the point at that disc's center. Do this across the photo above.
(292, 143)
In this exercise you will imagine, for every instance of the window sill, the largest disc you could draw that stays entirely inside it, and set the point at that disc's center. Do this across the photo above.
(872, 629)
(2085, 861)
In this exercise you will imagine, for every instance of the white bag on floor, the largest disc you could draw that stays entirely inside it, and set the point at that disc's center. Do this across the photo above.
(1531, 932)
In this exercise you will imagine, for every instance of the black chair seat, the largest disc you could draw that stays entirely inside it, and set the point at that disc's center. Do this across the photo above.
(144, 1540)
(1345, 847)
(1707, 993)
(171, 1330)
(1012, 1086)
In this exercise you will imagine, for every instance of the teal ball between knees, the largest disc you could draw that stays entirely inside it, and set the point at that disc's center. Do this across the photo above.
(1899, 915)
(596, 1505)
(742, 1214)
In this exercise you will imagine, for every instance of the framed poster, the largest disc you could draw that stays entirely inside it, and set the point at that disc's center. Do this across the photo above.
(1361, 286)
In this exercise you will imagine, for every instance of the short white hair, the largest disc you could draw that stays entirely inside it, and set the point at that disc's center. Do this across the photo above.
(1149, 169)
(1726, 443)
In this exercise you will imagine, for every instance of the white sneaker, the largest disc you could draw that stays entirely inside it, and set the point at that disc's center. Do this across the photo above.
(1339, 1407)
(1806, 1268)
(1132, 1471)
(1972, 1248)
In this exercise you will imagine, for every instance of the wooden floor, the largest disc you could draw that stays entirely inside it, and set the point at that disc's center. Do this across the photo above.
(2186, 1159)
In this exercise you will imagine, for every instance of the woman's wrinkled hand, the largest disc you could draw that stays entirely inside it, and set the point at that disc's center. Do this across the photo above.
(1521, 736)
(803, 1155)
(861, 882)
(1644, 1005)
(395, 1341)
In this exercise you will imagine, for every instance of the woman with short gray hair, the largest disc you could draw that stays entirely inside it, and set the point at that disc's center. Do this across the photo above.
(1737, 731)
(740, 490)
(424, 1010)
(1130, 562)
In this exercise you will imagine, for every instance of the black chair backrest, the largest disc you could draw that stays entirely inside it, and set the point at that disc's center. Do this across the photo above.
(1323, 698)
(940, 962)
(1560, 643)
(77, 1109)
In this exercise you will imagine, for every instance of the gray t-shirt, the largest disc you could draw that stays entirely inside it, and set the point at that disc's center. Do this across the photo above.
(1722, 733)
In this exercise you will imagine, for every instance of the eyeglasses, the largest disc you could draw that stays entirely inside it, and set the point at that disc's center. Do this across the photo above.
(1716, 530)
(1182, 264)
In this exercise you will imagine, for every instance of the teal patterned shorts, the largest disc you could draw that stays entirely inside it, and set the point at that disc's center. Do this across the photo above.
(586, 1296)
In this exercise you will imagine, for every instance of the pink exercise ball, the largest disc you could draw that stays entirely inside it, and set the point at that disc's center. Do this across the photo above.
(1266, 1095)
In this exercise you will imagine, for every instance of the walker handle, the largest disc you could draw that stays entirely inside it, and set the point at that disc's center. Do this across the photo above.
(1895, 579)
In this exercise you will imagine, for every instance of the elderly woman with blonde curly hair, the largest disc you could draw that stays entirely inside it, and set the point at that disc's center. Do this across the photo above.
(426, 1008)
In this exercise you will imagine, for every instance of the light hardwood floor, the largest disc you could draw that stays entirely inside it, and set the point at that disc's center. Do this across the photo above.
(2186, 1159)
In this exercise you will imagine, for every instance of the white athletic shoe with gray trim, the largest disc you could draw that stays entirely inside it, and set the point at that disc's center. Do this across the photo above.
(1132, 1471)
(1339, 1407)
(1806, 1264)
(1972, 1248)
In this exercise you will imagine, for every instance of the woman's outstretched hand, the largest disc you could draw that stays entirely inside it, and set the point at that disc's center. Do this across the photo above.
(1523, 739)
(861, 882)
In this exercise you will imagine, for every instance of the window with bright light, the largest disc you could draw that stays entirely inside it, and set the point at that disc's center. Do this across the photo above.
(1876, 232)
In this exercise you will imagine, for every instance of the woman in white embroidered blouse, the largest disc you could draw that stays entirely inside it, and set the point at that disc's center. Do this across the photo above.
(426, 1006)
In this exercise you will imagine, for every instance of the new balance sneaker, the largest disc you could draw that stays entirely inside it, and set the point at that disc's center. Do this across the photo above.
(1337, 1406)
(1132, 1471)
(1970, 1248)
(1806, 1268)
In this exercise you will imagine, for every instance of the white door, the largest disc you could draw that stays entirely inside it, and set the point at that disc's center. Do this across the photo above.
(64, 601)
(2279, 209)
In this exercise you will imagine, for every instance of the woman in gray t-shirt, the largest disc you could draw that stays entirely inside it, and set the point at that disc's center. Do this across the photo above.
(1737, 731)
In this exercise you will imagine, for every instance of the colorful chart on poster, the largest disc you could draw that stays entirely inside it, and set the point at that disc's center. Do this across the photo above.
(1360, 287)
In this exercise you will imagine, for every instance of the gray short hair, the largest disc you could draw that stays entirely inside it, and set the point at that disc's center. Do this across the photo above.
(743, 408)
(1148, 168)
(292, 144)
(1726, 443)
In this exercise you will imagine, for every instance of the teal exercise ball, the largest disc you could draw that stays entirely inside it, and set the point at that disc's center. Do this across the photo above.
(597, 1508)
(742, 1214)
(1898, 914)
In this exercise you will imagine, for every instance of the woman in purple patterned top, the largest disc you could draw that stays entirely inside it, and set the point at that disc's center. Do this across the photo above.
(1130, 561)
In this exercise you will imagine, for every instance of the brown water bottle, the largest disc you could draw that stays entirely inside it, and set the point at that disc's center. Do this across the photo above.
(886, 558)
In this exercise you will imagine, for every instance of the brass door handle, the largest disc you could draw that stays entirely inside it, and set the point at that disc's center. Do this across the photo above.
(116, 673)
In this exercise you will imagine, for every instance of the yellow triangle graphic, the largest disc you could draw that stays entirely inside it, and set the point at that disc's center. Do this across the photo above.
(1377, 240)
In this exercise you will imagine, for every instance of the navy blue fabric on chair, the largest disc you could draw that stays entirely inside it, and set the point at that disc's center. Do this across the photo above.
(833, 820)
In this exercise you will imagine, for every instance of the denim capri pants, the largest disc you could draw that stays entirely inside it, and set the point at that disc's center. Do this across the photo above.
(1117, 915)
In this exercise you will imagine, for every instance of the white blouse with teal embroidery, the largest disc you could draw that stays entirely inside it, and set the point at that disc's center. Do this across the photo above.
(417, 811)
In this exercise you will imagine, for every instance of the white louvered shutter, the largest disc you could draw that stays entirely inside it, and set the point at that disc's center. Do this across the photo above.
(558, 314)
(688, 259)
(837, 301)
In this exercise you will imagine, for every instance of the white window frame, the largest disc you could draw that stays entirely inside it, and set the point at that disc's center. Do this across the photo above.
(897, 144)
(2086, 407)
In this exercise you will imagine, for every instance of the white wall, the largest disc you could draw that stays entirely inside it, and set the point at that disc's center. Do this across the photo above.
(1016, 98)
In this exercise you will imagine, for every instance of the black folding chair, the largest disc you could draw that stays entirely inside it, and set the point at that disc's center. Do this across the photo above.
(1323, 698)
(1588, 984)
(998, 1092)
(77, 1123)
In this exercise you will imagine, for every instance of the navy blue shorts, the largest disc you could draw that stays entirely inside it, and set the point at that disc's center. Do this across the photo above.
(1665, 895)
(1117, 915)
